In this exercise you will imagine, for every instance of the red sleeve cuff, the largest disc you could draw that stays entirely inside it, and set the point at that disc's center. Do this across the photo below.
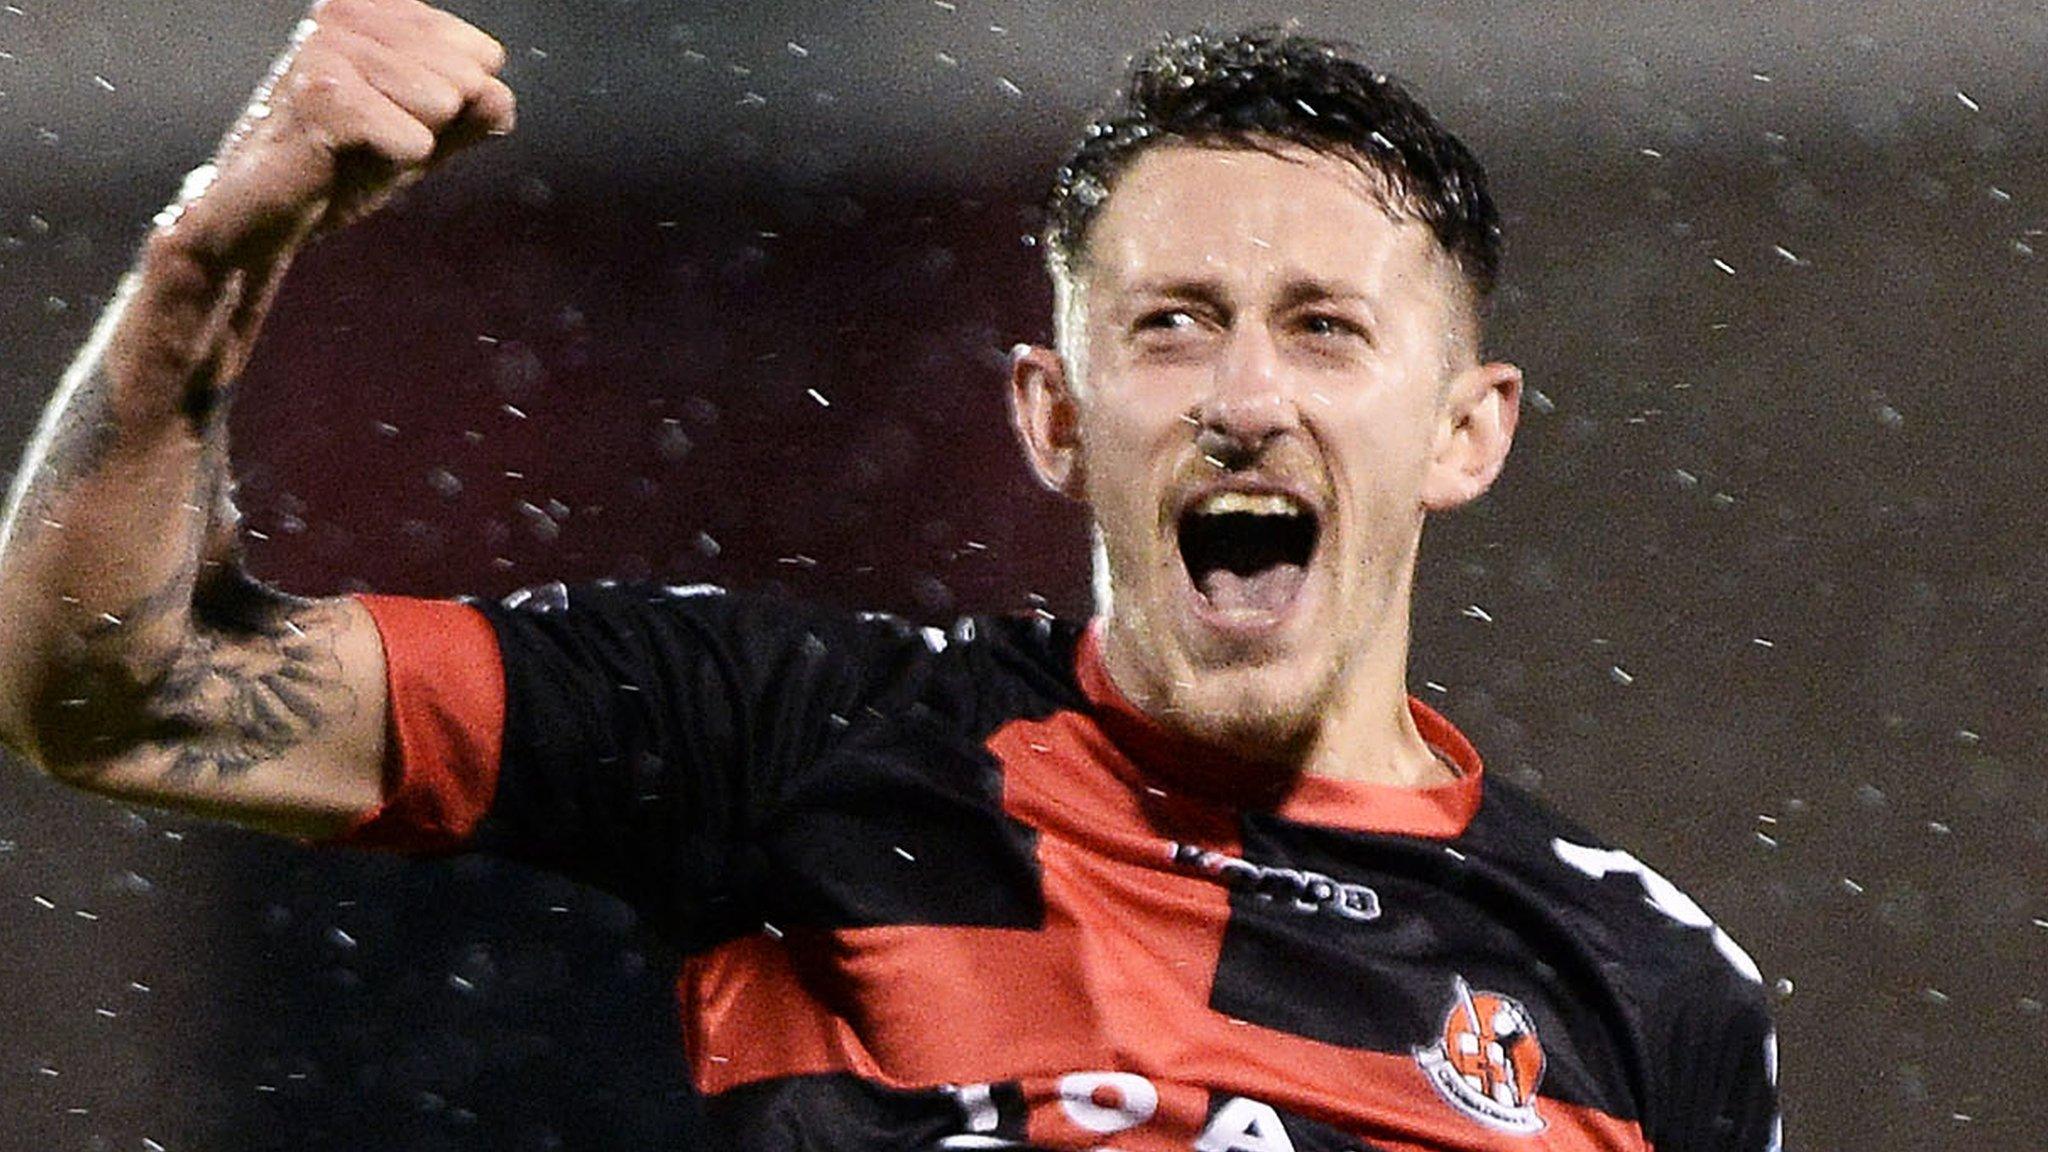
(445, 727)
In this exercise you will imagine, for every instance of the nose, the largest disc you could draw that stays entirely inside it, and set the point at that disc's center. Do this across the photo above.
(1250, 402)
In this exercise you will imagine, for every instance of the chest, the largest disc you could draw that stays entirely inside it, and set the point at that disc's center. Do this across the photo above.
(1065, 954)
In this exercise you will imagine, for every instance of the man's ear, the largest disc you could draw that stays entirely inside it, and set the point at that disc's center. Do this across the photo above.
(1047, 419)
(1480, 412)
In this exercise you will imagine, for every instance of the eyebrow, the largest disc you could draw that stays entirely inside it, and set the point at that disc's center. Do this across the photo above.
(1201, 291)
(1299, 291)
(1309, 290)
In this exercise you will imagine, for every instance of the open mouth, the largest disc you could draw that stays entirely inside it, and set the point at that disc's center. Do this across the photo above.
(1248, 552)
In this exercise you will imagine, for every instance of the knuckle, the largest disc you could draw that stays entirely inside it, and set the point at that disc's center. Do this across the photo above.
(411, 145)
(341, 13)
(315, 85)
(442, 104)
(492, 52)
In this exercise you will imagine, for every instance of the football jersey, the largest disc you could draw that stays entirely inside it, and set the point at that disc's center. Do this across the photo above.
(951, 890)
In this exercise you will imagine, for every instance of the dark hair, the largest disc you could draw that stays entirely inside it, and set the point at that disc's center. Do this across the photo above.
(1257, 87)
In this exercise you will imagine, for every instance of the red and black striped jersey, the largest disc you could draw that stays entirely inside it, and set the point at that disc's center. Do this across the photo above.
(951, 891)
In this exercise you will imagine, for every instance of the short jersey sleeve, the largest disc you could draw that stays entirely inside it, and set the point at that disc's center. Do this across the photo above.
(640, 731)
(1717, 1068)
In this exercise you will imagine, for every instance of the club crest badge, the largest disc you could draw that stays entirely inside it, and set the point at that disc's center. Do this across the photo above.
(1487, 1060)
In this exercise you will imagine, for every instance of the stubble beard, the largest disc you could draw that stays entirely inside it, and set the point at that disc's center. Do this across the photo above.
(1242, 712)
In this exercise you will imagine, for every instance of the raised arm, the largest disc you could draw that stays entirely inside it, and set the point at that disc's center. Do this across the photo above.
(136, 657)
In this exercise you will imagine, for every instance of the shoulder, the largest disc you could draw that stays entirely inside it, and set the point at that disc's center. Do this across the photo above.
(771, 640)
(1638, 924)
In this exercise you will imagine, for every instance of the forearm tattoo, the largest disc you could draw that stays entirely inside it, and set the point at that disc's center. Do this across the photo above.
(258, 676)
(208, 671)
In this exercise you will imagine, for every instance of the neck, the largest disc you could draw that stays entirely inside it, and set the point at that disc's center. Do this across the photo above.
(1369, 734)
(1360, 729)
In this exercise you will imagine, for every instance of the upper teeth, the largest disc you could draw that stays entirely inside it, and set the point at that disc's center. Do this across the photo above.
(1249, 503)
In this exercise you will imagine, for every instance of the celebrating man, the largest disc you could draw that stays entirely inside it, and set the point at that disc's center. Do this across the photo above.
(1195, 874)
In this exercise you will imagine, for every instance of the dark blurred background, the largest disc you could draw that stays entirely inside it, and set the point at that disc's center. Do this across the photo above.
(1761, 595)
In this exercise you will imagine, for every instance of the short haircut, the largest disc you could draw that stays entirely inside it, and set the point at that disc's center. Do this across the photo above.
(1256, 88)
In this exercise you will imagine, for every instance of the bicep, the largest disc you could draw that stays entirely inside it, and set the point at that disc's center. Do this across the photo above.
(274, 719)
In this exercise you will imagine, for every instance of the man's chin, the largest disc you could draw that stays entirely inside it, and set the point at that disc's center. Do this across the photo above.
(1244, 718)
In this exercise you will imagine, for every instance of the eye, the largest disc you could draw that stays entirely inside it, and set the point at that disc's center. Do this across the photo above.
(1166, 320)
(1328, 324)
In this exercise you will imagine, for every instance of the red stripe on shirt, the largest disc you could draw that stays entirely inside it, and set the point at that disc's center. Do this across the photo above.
(445, 725)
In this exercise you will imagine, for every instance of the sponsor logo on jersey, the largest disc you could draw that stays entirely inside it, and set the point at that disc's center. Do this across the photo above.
(1303, 891)
(1487, 1060)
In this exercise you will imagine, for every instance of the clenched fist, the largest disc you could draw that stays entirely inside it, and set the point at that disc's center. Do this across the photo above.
(368, 97)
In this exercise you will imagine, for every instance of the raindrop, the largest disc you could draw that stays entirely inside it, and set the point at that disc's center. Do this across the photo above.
(539, 523)
(444, 482)
(517, 371)
(672, 443)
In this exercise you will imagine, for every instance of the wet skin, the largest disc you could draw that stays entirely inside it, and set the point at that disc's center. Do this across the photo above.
(1257, 322)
